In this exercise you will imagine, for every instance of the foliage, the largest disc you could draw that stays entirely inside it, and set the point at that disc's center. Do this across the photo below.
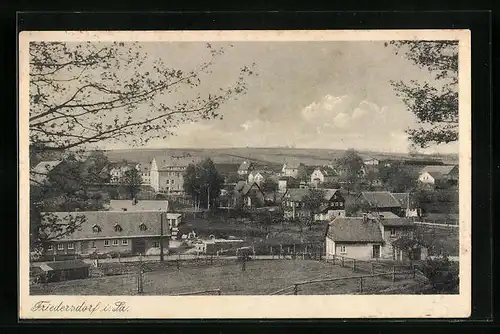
(132, 181)
(202, 181)
(269, 185)
(350, 165)
(442, 274)
(313, 200)
(397, 178)
(353, 209)
(435, 105)
(86, 93)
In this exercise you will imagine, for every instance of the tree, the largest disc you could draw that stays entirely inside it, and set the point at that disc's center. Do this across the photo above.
(435, 105)
(203, 182)
(132, 181)
(397, 178)
(269, 185)
(350, 166)
(442, 274)
(84, 94)
(371, 177)
(312, 201)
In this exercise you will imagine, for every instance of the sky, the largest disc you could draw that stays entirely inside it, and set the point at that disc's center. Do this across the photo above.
(328, 94)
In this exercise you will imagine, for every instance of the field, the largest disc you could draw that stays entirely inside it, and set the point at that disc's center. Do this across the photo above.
(444, 240)
(258, 155)
(261, 277)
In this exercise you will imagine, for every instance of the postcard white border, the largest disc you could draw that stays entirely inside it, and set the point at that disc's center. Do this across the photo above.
(340, 306)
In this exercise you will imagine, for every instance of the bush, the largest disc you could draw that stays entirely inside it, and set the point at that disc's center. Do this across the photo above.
(442, 274)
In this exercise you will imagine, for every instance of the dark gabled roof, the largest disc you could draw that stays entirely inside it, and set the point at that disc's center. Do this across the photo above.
(249, 187)
(293, 164)
(61, 265)
(380, 199)
(162, 162)
(129, 222)
(384, 214)
(396, 221)
(296, 194)
(403, 199)
(354, 229)
(445, 169)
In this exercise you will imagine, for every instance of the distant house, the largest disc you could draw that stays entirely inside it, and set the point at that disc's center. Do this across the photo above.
(256, 176)
(172, 218)
(333, 204)
(118, 169)
(293, 169)
(371, 162)
(62, 270)
(369, 237)
(145, 172)
(248, 195)
(322, 175)
(40, 173)
(127, 232)
(286, 182)
(245, 168)
(431, 175)
(167, 173)
(408, 204)
(379, 201)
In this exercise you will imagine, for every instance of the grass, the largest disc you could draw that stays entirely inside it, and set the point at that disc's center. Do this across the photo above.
(260, 278)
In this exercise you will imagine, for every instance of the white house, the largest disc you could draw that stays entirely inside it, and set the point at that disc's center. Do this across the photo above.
(371, 162)
(167, 173)
(292, 169)
(256, 176)
(432, 174)
(370, 238)
(118, 170)
(322, 175)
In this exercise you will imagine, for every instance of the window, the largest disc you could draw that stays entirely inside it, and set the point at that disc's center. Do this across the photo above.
(71, 245)
(173, 181)
(143, 227)
(49, 247)
(106, 243)
(60, 247)
(116, 242)
(393, 232)
(167, 182)
(118, 228)
(343, 250)
(125, 242)
(156, 244)
(341, 204)
(96, 229)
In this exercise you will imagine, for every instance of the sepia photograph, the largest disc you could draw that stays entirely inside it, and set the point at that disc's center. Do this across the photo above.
(164, 172)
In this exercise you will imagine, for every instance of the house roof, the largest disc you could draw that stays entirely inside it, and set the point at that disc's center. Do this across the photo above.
(381, 199)
(292, 164)
(436, 175)
(40, 172)
(384, 214)
(354, 229)
(329, 193)
(403, 199)
(173, 161)
(248, 187)
(142, 205)
(296, 194)
(106, 220)
(62, 265)
(395, 221)
(438, 169)
(245, 165)
(144, 167)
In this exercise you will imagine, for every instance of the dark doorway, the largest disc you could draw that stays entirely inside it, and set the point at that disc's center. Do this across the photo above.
(376, 251)
(138, 246)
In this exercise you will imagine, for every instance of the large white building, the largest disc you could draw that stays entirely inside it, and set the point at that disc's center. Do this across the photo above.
(167, 173)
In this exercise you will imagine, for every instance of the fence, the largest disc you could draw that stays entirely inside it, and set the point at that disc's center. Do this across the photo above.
(294, 289)
(366, 266)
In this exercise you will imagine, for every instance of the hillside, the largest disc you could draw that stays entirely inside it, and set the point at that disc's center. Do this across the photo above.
(262, 155)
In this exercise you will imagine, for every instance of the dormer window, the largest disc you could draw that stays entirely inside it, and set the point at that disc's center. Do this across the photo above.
(118, 228)
(143, 227)
(96, 229)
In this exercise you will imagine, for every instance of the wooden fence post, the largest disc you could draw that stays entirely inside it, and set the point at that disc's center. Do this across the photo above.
(272, 254)
(372, 269)
(342, 264)
(211, 259)
(361, 285)
(353, 265)
(394, 273)
(295, 289)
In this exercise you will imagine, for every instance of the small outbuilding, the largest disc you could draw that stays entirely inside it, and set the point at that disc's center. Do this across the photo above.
(62, 270)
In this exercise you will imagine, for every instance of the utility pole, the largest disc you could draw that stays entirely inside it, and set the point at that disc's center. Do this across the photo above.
(162, 256)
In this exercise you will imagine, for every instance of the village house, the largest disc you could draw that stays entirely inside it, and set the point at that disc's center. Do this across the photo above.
(322, 175)
(102, 232)
(293, 204)
(145, 172)
(286, 182)
(167, 173)
(118, 169)
(245, 168)
(371, 162)
(256, 176)
(172, 218)
(409, 206)
(293, 169)
(432, 175)
(248, 195)
(379, 201)
(371, 238)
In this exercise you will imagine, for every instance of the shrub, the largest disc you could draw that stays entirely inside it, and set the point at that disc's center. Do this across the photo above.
(442, 274)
